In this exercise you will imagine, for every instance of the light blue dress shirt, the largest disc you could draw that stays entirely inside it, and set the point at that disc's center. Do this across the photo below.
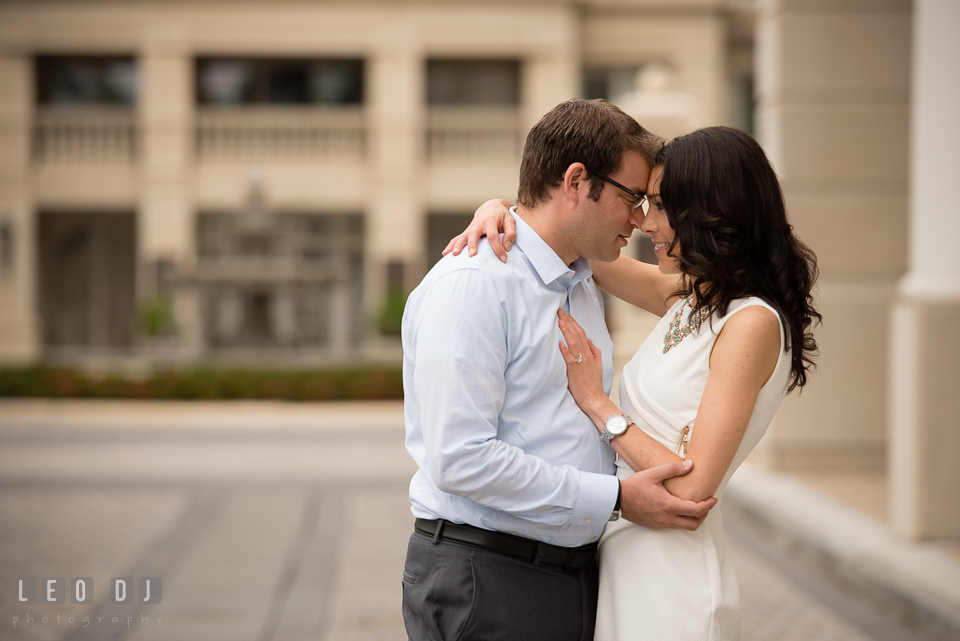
(499, 440)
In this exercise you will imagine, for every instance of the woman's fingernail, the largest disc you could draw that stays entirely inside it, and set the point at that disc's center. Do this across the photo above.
(507, 245)
(503, 259)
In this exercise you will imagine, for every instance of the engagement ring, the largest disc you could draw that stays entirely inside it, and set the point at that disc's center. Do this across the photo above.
(578, 359)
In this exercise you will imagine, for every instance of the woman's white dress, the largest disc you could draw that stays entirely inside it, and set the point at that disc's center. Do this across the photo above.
(658, 585)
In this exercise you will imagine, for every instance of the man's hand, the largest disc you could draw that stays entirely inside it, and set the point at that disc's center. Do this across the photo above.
(645, 501)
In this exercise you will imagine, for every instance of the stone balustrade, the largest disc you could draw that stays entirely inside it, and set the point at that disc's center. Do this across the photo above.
(82, 135)
(456, 133)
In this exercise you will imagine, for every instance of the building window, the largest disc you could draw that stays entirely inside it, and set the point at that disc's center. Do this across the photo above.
(312, 109)
(85, 110)
(6, 245)
(742, 104)
(473, 113)
(440, 229)
(608, 83)
(277, 81)
(87, 265)
(280, 279)
(86, 80)
(473, 82)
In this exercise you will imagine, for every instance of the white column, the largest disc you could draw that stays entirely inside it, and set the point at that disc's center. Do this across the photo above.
(166, 221)
(552, 74)
(924, 476)
(394, 225)
(833, 115)
(19, 286)
(934, 258)
(702, 61)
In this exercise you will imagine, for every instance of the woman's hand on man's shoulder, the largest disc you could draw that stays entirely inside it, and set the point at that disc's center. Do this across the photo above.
(490, 219)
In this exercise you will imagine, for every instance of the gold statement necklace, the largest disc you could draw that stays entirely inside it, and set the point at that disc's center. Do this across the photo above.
(675, 333)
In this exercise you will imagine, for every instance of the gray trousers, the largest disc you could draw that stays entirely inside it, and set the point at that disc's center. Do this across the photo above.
(453, 591)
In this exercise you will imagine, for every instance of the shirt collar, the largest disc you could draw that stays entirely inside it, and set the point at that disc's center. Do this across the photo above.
(545, 261)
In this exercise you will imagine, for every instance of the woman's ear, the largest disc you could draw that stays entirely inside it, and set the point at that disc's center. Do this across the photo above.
(575, 179)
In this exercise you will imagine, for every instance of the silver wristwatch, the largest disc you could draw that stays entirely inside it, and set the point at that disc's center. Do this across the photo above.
(614, 427)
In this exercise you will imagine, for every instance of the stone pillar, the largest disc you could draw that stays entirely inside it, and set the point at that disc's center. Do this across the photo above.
(833, 91)
(703, 63)
(552, 74)
(394, 231)
(20, 340)
(924, 476)
(166, 221)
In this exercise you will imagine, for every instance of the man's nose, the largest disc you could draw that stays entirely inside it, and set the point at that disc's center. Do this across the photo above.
(643, 221)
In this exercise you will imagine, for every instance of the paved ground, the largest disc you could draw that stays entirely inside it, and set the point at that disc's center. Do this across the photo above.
(271, 521)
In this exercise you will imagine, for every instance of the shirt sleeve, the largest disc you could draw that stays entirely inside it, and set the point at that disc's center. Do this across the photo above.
(462, 351)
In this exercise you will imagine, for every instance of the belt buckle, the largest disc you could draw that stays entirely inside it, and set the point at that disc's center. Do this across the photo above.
(539, 556)
(438, 533)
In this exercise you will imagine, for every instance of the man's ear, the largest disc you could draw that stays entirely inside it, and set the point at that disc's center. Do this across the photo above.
(575, 179)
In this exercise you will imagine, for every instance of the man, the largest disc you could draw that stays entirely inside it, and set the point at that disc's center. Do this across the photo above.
(515, 485)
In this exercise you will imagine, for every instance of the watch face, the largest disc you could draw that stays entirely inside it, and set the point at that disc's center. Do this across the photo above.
(617, 425)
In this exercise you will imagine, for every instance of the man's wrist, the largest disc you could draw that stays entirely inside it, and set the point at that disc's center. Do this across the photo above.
(598, 492)
(617, 512)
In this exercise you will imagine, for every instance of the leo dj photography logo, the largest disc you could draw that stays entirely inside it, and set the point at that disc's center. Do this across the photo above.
(54, 590)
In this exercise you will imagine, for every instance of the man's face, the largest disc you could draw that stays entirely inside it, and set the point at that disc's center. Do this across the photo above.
(602, 227)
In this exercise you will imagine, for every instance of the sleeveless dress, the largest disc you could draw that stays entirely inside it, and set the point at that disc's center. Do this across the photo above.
(659, 585)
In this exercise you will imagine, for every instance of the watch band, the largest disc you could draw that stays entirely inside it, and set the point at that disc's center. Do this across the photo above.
(617, 512)
(608, 436)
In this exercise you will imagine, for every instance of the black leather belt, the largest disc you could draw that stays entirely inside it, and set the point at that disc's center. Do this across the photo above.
(579, 558)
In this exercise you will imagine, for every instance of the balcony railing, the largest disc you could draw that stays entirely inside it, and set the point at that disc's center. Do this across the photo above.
(456, 133)
(111, 135)
(226, 134)
(101, 135)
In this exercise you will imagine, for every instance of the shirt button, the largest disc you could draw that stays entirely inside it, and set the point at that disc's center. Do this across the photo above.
(592, 539)
(586, 520)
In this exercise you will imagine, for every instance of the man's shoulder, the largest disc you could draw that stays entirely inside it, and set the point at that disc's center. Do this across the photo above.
(484, 266)
(462, 291)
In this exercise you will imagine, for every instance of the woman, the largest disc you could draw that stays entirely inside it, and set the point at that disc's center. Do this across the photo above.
(733, 287)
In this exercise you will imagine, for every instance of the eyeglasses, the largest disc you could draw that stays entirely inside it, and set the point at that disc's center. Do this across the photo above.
(638, 199)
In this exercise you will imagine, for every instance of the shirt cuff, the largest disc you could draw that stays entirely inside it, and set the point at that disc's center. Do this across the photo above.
(598, 495)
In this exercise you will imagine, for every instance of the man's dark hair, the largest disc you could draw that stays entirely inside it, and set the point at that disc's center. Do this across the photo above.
(592, 132)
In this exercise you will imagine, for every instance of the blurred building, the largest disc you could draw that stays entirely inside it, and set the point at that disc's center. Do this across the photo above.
(219, 179)
(252, 178)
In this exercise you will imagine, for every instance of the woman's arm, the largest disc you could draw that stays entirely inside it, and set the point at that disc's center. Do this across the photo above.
(637, 283)
(742, 360)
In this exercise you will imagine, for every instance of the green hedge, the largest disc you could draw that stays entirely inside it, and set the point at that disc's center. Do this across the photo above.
(205, 384)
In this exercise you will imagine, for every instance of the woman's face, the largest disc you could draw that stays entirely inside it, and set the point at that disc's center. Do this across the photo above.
(656, 224)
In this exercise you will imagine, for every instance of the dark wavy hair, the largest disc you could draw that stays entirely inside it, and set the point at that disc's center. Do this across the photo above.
(723, 200)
